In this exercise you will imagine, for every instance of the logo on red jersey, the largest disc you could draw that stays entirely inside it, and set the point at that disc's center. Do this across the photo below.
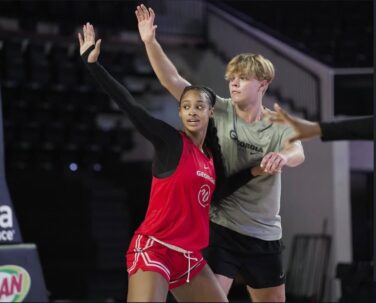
(205, 176)
(204, 195)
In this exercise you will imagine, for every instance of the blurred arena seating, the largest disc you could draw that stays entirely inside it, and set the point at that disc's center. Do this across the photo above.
(337, 33)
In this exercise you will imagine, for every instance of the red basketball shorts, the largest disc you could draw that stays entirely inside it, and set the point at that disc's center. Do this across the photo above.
(175, 266)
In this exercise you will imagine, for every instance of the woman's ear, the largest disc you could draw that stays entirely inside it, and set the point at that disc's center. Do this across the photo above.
(211, 113)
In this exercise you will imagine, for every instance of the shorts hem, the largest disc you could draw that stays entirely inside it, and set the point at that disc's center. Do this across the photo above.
(150, 269)
(268, 285)
(192, 275)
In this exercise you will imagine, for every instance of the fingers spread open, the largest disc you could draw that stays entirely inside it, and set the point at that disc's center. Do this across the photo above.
(91, 32)
(84, 32)
(139, 14)
(145, 11)
(283, 114)
(98, 45)
(152, 14)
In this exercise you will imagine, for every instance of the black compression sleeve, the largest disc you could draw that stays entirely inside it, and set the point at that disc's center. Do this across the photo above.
(232, 183)
(165, 139)
(352, 129)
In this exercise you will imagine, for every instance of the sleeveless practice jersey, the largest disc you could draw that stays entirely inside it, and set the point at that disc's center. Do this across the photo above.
(178, 211)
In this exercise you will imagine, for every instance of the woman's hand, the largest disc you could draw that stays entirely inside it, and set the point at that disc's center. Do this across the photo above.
(89, 40)
(260, 171)
(303, 129)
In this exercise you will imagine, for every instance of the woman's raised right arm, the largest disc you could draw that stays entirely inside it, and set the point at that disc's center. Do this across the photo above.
(150, 127)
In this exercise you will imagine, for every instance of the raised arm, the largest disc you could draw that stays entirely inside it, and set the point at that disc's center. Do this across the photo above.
(161, 64)
(153, 129)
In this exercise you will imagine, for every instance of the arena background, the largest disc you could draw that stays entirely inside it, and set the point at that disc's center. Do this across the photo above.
(75, 175)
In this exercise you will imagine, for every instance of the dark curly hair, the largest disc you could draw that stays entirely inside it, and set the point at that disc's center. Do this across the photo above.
(211, 141)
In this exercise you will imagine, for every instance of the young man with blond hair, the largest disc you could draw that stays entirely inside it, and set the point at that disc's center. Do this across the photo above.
(246, 233)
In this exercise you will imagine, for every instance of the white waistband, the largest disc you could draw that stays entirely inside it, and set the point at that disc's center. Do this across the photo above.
(173, 247)
(186, 253)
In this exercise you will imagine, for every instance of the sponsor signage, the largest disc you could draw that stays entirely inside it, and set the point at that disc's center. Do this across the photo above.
(21, 278)
(14, 283)
(9, 230)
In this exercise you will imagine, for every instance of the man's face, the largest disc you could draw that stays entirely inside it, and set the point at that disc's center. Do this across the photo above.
(246, 90)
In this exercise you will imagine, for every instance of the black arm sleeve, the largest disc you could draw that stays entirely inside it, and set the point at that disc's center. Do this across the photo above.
(353, 129)
(232, 183)
(166, 140)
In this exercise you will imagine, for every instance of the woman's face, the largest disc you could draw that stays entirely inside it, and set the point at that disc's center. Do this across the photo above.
(195, 110)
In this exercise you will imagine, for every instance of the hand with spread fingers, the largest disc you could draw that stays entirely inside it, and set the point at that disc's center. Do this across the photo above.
(304, 129)
(87, 40)
(145, 19)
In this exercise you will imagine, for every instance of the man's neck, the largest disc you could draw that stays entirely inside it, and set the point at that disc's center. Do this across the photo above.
(250, 113)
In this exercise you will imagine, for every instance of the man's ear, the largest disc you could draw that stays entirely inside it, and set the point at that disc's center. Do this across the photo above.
(264, 86)
(263, 83)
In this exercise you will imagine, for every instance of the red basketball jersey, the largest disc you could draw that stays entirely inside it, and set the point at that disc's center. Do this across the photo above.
(178, 211)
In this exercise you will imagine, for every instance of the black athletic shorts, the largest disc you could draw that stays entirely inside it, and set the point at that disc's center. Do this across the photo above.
(258, 262)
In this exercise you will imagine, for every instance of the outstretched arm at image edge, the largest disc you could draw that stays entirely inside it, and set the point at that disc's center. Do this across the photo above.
(353, 129)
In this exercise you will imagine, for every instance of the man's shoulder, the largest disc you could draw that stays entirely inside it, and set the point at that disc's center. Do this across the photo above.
(223, 100)
(280, 129)
(277, 127)
(222, 105)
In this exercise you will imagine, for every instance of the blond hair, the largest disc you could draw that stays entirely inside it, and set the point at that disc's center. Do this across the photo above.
(251, 65)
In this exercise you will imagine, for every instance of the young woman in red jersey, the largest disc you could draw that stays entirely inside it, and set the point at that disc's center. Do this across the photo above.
(165, 252)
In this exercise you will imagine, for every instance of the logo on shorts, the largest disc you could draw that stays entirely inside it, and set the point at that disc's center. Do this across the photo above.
(203, 195)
